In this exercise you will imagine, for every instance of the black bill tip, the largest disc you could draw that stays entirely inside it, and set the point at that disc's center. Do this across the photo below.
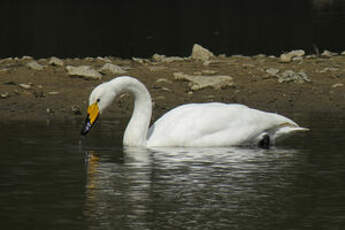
(87, 126)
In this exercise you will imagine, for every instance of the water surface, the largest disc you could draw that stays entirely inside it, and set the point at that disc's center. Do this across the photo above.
(51, 180)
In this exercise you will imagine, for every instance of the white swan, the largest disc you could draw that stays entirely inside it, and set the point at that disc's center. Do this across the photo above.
(205, 124)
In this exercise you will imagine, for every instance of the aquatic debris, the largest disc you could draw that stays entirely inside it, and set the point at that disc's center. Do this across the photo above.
(83, 71)
(200, 82)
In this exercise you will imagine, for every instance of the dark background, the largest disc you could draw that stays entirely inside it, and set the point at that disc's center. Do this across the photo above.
(126, 28)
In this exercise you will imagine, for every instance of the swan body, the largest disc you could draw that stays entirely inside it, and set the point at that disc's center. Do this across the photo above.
(198, 125)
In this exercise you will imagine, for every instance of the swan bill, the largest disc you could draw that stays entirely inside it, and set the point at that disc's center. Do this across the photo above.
(91, 118)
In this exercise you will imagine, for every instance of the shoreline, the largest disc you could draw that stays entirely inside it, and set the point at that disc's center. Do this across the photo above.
(47, 89)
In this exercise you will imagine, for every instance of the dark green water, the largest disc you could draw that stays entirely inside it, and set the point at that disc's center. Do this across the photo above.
(49, 179)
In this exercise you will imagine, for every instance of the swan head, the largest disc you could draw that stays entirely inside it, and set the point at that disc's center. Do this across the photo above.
(100, 98)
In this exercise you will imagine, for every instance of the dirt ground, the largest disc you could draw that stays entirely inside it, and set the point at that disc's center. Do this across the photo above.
(51, 93)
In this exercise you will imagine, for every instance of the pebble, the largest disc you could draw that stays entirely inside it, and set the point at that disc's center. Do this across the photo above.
(4, 95)
(336, 85)
(25, 86)
(76, 110)
(53, 93)
(163, 80)
(49, 110)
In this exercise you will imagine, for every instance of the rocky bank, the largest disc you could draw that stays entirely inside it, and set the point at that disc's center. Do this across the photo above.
(294, 83)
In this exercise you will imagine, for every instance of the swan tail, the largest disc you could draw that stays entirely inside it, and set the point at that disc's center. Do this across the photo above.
(286, 129)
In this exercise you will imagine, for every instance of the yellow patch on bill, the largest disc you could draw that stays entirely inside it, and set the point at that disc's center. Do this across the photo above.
(93, 112)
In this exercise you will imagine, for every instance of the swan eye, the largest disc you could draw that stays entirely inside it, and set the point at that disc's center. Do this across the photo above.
(98, 100)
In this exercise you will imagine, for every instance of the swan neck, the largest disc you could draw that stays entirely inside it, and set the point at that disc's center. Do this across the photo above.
(137, 128)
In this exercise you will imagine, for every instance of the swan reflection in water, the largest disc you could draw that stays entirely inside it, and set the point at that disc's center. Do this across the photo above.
(140, 186)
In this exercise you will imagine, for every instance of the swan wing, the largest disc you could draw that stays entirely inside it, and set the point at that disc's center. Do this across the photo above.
(216, 124)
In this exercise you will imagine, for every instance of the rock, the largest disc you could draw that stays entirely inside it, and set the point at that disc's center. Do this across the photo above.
(208, 72)
(328, 54)
(297, 58)
(291, 76)
(76, 110)
(83, 71)
(25, 86)
(328, 69)
(288, 57)
(49, 110)
(165, 89)
(343, 53)
(160, 98)
(34, 65)
(311, 56)
(163, 80)
(200, 82)
(200, 53)
(336, 85)
(54, 61)
(272, 71)
(53, 93)
(27, 58)
(259, 56)
(162, 58)
(140, 60)
(111, 68)
(104, 59)
(4, 95)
